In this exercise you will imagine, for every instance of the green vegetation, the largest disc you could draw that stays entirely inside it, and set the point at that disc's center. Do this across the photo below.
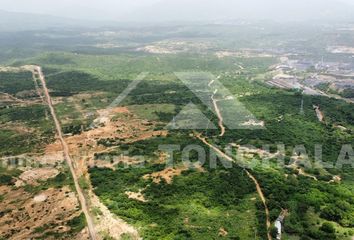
(197, 204)
(13, 83)
(5, 180)
(154, 112)
(33, 117)
(301, 196)
(284, 124)
(77, 224)
(24, 128)
(289, 193)
(128, 65)
(62, 179)
(84, 183)
(348, 93)
(178, 210)
(126, 236)
(7, 176)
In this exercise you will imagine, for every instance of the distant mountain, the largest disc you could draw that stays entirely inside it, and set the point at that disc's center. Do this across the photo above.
(279, 10)
(10, 21)
(15, 21)
(185, 11)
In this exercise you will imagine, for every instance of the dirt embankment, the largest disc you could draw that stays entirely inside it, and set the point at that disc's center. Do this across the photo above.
(109, 224)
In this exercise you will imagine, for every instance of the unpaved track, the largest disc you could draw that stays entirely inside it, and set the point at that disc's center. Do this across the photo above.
(15, 98)
(221, 153)
(263, 199)
(258, 187)
(218, 113)
(217, 110)
(36, 86)
(90, 225)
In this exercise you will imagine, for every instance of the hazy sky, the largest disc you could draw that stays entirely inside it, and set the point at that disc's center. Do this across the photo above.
(174, 9)
(96, 9)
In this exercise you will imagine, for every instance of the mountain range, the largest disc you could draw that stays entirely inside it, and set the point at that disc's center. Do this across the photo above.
(278, 10)
(188, 11)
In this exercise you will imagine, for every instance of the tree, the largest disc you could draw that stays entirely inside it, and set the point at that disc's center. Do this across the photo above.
(328, 228)
(332, 213)
(5, 180)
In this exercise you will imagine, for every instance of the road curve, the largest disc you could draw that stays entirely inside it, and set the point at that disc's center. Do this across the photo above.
(90, 225)
(258, 187)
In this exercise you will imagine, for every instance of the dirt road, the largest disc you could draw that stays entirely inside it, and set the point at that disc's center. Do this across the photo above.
(67, 157)
(258, 187)
(217, 150)
(216, 108)
(263, 199)
(218, 113)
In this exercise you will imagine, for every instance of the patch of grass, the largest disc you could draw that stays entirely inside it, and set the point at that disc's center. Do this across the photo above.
(5, 180)
(66, 110)
(126, 236)
(77, 224)
(154, 112)
(96, 211)
(84, 183)
(13, 143)
(61, 180)
(7, 175)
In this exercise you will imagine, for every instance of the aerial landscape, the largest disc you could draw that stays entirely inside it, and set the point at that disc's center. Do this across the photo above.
(166, 119)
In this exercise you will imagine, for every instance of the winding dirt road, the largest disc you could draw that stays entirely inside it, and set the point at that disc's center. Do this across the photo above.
(258, 187)
(221, 153)
(218, 113)
(263, 199)
(90, 225)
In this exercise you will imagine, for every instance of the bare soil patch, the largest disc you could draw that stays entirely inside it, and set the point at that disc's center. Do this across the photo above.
(167, 174)
(50, 210)
(33, 176)
(136, 196)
